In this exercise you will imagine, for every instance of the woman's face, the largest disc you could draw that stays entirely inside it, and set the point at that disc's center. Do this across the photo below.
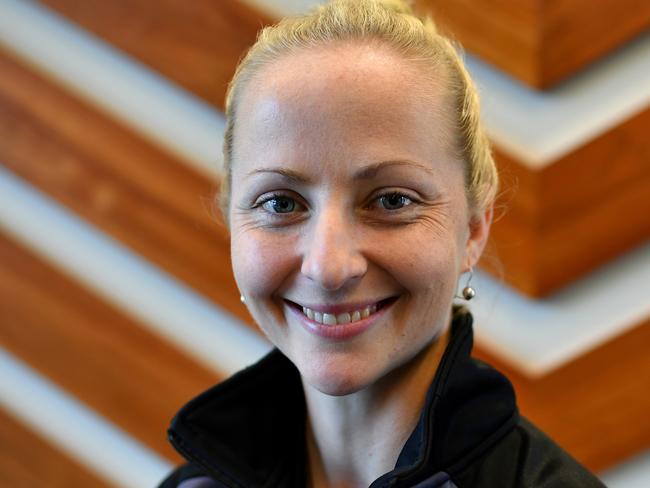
(348, 207)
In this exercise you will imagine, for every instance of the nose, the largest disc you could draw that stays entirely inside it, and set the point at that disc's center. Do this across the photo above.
(332, 256)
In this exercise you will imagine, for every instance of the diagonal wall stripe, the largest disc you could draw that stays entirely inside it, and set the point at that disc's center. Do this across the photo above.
(537, 128)
(97, 444)
(540, 127)
(168, 307)
(634, 473)
(539, 336)
(143, 100)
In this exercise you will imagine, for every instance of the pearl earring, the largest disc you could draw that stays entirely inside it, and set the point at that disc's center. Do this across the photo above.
(468, 291)
(242, 298)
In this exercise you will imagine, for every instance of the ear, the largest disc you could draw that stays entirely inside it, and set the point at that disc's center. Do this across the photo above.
(479, 230)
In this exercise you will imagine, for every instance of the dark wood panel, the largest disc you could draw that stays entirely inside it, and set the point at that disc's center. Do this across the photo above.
(579, 32)
(506, 34)
(580, 212)
(28, 461)
(597, 406)
(541, 43)
(157, 205)
(196, 44)
(95, 352)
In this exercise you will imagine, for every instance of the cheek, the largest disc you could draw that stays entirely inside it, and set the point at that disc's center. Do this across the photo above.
(426, 263)
(261, 262)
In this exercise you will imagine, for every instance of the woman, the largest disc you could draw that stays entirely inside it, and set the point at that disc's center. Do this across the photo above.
(358, 190)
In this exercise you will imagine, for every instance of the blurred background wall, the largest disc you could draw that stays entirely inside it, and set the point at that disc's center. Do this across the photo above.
(117, 302)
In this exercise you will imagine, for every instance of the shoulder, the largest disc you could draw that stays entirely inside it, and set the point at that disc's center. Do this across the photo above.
(526, 457)
(188, 476)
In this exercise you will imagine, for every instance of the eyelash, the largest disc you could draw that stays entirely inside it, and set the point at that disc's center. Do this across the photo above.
(277, 196)
(402, 195)
(274, 196)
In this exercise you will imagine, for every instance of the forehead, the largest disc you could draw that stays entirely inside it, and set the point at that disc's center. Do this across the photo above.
(343, 97)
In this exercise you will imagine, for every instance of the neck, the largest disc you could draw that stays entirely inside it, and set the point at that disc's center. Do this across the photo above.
(354, 439)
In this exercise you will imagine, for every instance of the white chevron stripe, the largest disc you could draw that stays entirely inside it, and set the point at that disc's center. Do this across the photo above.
(282, 8)
(539, 127)
(634, 473)
(535, 127)
(537, 336)
(103, 265)
(137, 96)
(97, 444)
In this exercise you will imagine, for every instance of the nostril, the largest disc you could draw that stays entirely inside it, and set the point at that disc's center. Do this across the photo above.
(334, 271)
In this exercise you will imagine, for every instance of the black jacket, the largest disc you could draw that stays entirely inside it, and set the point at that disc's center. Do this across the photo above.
(249, 432)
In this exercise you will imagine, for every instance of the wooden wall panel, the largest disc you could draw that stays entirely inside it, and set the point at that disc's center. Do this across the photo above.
(28, 461)
(541, 43)
(93, 351)
(572, 216)
(597, 406)
(505, 33)
(578, 32)
(158, 206)
(196, 44)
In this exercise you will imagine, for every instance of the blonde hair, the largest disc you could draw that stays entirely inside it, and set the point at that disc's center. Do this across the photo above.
(393, 23)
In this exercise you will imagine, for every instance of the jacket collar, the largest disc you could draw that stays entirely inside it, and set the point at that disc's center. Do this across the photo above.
(249, 431)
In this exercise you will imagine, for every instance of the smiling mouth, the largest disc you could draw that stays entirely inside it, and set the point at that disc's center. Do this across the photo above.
(342, 318)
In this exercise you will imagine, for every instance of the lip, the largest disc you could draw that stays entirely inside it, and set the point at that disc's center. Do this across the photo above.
(343, 331)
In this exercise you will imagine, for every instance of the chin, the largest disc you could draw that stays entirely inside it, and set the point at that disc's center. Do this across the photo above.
(336, 381)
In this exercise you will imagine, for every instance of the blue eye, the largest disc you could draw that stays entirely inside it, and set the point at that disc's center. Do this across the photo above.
(279, 204)
(394, 201)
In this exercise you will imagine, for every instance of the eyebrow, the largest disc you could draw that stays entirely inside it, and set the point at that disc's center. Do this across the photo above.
(370, 171)
(289, 174)
(365, 173)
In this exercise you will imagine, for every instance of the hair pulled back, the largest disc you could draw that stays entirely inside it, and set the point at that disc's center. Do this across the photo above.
(394, 23)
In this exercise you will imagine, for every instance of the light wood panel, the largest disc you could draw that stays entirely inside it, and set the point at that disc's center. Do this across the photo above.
(541, 43)
(597, 406)
(28, 461)
(135, 192)
(93, 351)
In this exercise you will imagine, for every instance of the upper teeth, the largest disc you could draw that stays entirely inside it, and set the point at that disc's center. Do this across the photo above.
(342, 318)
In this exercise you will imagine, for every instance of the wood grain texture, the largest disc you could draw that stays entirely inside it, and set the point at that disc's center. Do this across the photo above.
(597, 406)
(504, 33)
(158, 206)
(196, 44)
(29, 461)
(541, 43)
(573, 216)
(93, 351)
